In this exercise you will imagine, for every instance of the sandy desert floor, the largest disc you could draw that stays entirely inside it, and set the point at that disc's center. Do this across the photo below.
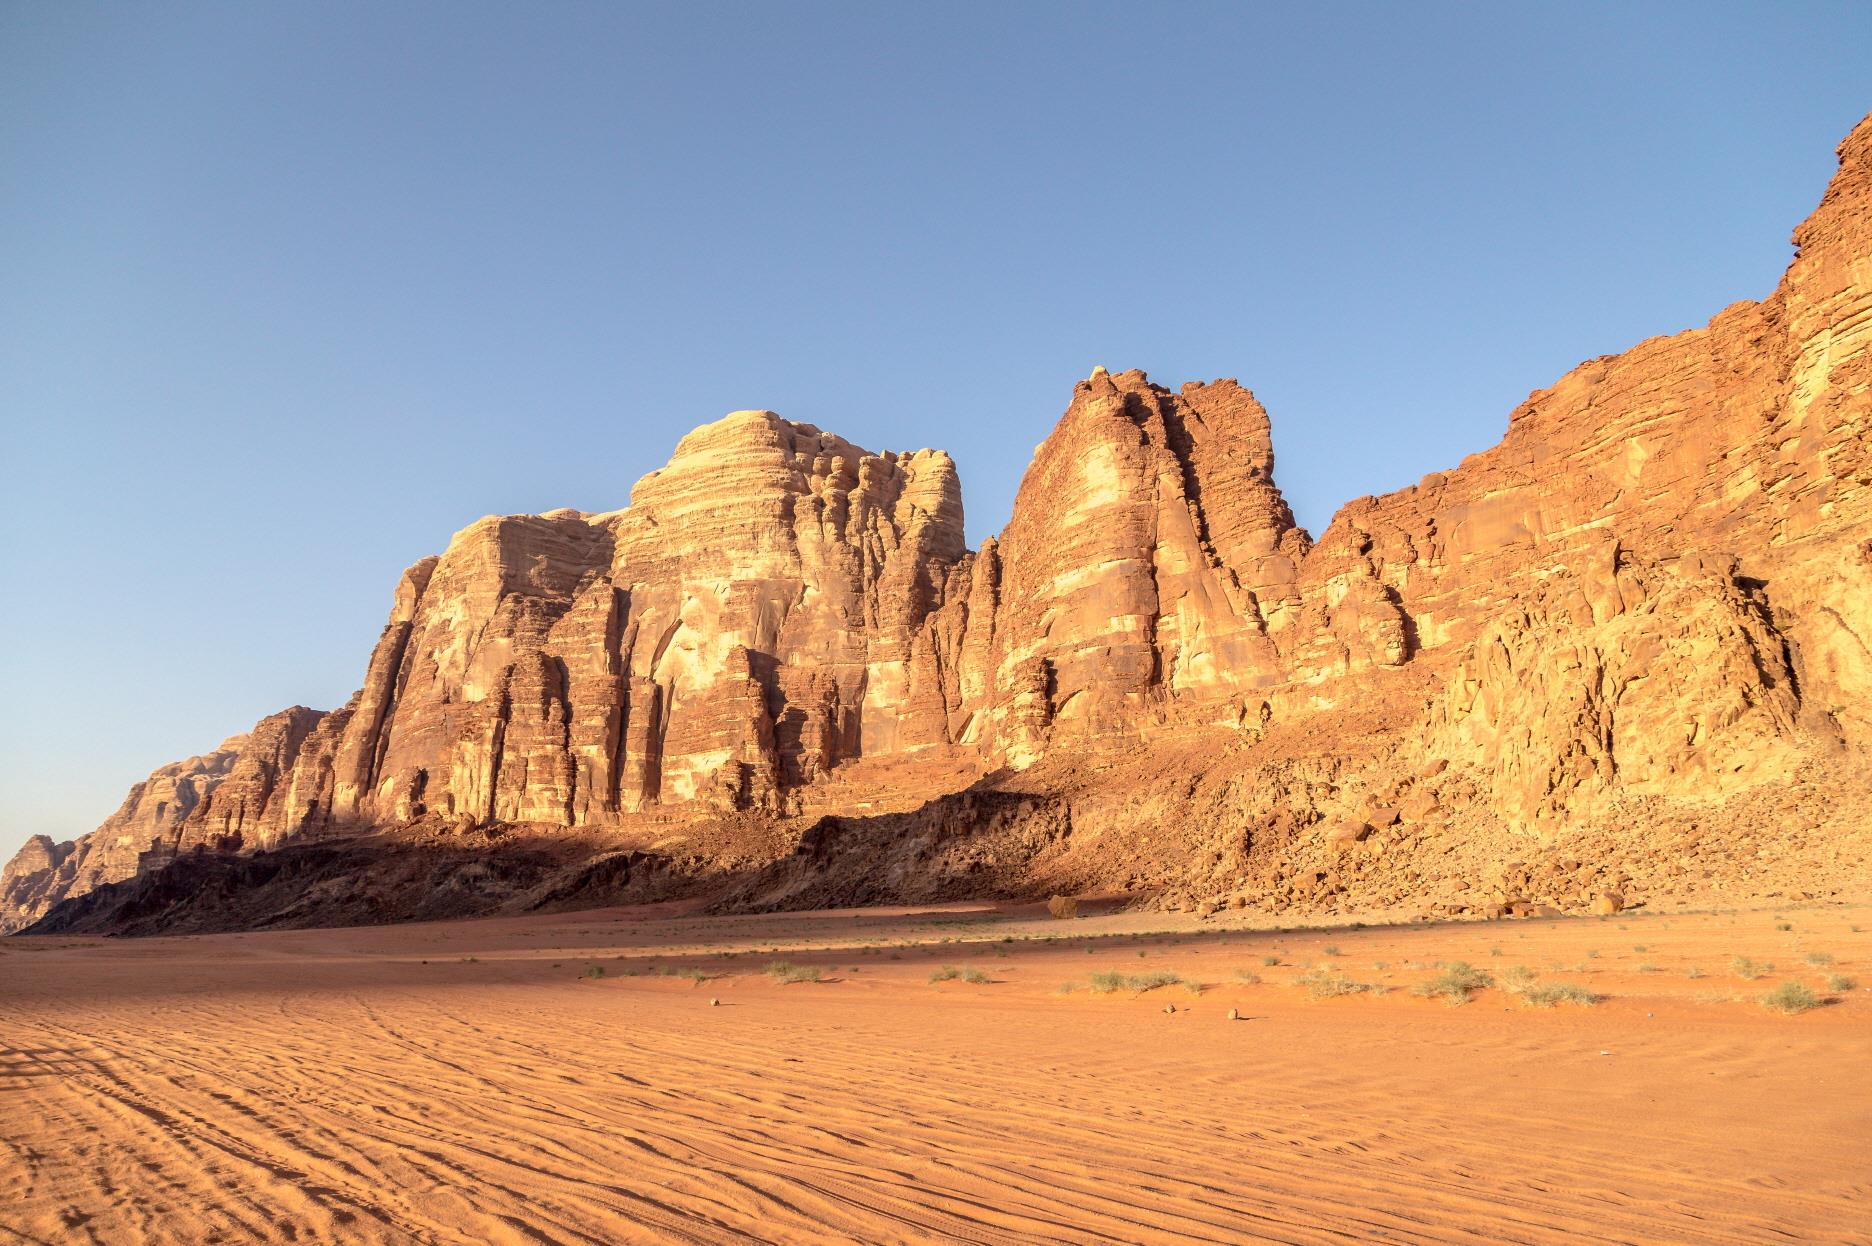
(480, 1082)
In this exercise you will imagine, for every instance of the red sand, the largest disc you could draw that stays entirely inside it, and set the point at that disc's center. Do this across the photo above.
(462, 1082)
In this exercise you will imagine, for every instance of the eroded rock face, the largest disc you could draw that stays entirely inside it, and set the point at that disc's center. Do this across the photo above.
(754, 617)
(1660, 679)
(1149, 559)
(1657, 586)
(241, 796)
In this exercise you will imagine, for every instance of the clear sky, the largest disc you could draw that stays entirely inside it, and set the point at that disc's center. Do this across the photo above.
(289, 293)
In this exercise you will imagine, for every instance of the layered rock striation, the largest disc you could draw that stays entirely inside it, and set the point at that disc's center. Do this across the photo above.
(1658, 584)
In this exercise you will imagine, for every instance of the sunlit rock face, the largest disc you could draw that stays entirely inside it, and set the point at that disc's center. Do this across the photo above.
(1149, 561)
(1659, 581)
(755, 616)
(240, 796)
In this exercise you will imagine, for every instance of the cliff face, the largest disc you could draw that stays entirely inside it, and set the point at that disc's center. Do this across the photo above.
(1149, 561)
(234, 798)
(1658, 583)
(756, 616)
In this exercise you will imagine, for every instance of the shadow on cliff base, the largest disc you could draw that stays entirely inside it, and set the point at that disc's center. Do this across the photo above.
(982, 843)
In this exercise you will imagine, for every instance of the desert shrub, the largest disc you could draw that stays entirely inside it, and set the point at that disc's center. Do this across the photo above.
(1112, 980)
(1693, 973)
(785, 972)
(1647, 967)
(1749, 970)
(1790, 998)
(1547, 994)
(1248, 976)
(1784, 925)
(1517, 978)
(1063, 908)
(1840, 982)
(594, 971)
(1455, 983)
(1331, 949)
(964, 973)
(1819, 960)
(1331, 983)
(1270, 961)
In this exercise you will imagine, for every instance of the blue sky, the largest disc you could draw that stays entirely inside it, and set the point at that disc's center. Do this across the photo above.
(289, 293)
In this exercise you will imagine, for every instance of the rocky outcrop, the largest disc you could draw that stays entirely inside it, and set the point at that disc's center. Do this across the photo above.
(1665, 679)
(1148, 565)
(1656, 588)
(244, 795)
(755, 616)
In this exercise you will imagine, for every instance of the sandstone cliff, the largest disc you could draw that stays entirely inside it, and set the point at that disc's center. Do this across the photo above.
(1654, 594)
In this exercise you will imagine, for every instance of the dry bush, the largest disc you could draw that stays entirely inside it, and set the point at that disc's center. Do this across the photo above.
(1112, 980)
(786, 972)
(1330, 984)
(1455, 983)
(965, 973)
(1790, 998)
(1547, 994)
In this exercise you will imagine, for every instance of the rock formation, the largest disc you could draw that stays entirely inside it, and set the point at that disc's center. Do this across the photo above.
(1656, 587)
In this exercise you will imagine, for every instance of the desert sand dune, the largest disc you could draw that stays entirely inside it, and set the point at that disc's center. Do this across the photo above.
(467, 1082)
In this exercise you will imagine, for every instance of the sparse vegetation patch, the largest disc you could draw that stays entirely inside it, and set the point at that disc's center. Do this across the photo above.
(1790, 998)
(1112, 980)
(1456, 983)
(964, 973)
(785, 972)
(1331, 983)
(1547, 994)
